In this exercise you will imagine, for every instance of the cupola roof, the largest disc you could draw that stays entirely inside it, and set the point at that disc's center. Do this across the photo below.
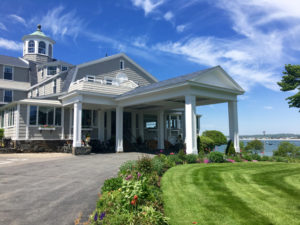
(38, 34)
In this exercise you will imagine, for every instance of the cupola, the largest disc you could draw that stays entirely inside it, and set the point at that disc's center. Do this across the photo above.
(37, 46)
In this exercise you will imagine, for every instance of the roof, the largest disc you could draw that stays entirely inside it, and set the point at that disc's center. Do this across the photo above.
(68, 79)
(165, 83)
(56, 62)
(13, 61)
(38, 34)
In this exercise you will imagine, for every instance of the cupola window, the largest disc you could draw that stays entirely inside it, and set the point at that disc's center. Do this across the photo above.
(50, 51)
(31, 46)
(42, 47)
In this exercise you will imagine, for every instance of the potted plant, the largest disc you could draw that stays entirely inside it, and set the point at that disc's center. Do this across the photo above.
(87, 138)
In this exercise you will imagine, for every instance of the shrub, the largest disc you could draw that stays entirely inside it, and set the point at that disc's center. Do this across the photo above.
(159, 165)
(191, 158)
(256, 157)
(286, 149)
(144, 165)
(279, 159)
(247, 157)
(237, 158)
(174, 159)
(255, 146)
(198, 144)
(265, 158)
(230, 149)
(1, 133)
(181, 155)
(127, 167)
(217, 136)
(206, 144)
(216, 157)
(112, 184)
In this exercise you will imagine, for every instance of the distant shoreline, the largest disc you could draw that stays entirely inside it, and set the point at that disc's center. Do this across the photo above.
(269, 139)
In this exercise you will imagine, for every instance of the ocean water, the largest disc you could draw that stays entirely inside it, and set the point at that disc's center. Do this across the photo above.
(270, 146)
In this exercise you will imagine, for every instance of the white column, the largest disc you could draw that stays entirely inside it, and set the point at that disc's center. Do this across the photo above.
(161, 138)
(70, 124)
(183, 126)
(141, 125)
(62, 123)
(27, 122)
(233, 124)
(36, 47)
(17, 121)
(101, 128)
(77, 124)
(133, 127)
(108, 125)
(178, 122)
(119, 129)
(190, 125)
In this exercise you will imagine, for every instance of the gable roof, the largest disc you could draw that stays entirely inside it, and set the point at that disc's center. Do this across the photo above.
(13, 61)
(182, 79)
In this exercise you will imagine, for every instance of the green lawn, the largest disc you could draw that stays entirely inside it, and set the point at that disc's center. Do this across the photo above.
(239, 193)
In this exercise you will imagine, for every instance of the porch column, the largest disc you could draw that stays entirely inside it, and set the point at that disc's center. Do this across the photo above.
(178, 122)
(141, 125)
(190, 125)
(233, 124)
(62, 123)
(101, 126)
(119, 129)
(77, 124)
(17, 122)
(108, 125)
(161, 138)
(133, 127)
(27, 122)
(183, 126)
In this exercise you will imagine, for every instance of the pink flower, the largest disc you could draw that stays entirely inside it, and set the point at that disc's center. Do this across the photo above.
(161, 151)
(206, 161)
(254, 161)
(230, 160)
(245, 160)
(172, 153)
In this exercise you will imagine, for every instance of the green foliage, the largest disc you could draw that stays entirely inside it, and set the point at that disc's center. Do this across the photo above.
(206, 144)
(242, 146)
(279, 159)
(216, 157)
(1, 133)
(191, 158)
(159, 165)
(247, 157)
(230, 149)
(112, 184)
(127, 167)
(217, 136)
(173, 160)
(287, 149)
(237, 158)
(198, 143)
(181, 155)
(290, 81)
(255, 146)
(265, 158)
(144, 164)
(256, 157)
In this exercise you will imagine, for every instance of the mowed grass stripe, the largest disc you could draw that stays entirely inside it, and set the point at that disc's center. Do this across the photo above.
(240, 193)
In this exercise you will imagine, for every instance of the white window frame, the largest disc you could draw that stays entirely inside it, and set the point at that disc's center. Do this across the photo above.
(122, 62)
(12, 94)
(37, 116)
(9, 112)
(12, 70)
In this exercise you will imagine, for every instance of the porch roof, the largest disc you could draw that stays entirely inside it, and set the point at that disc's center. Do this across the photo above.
(29, 101)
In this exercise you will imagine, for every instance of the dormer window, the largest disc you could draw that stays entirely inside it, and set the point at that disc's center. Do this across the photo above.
(8, 73)
(42, 47)
(51, 70)
(90, 78)
(31, 46)
(122, 65)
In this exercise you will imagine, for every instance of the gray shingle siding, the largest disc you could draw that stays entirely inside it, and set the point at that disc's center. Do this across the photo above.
(22, 121)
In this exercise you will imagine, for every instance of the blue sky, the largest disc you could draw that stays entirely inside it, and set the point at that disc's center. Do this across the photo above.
(251, 40)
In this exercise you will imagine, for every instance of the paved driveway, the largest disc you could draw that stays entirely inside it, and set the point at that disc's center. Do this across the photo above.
(52, 189)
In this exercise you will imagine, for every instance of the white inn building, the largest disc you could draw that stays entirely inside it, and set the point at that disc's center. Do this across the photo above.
(45, 103)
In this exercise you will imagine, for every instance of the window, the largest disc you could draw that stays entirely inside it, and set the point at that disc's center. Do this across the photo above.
(42, 47)
(33, 115)
(94, 118)
(50, 50)
(64, 68)
(51, 70)
(150, 121)
(108, 81)
(2, 119)
(46, 115)
(11, 117)
(121, 65)
(90, 78)
(8, 73)
(31, 46)
(54, 86)
(8, 95)
(86, 118)
(37, 92)
(57, 116)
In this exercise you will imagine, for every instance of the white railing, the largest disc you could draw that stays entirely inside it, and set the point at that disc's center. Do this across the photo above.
(108, 81)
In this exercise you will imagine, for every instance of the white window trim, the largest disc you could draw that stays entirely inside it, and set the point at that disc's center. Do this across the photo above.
(13, 72)
(12, 94)
(37, 117)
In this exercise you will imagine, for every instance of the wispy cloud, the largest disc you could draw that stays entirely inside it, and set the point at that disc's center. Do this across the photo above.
(3, 27)
(18, 19)
(169, 16)
(267, 107)
(62, 22)
(147, 5)
(180, 28)
(10, 45)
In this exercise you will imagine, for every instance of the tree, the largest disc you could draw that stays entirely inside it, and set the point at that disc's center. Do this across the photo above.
(290, 81)
(217, 136)
(230, 151)
(206, 144)
(287, 149)
(255, 145)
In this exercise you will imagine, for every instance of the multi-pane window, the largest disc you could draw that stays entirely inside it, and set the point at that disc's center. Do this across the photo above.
(150, 121)
(11, 117)
(42, 47)
(121, 65)
(54, 86)
(64, 68)
(8, 73)
(46, 115)
(8, 95)
(90, 78)
(33, 115)
(51, 70)
(57, 116)
(31, 46)
(86, 118)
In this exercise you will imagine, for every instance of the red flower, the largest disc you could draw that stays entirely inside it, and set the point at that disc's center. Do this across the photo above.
(135, 197)
(133, 202)
(194, 222)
